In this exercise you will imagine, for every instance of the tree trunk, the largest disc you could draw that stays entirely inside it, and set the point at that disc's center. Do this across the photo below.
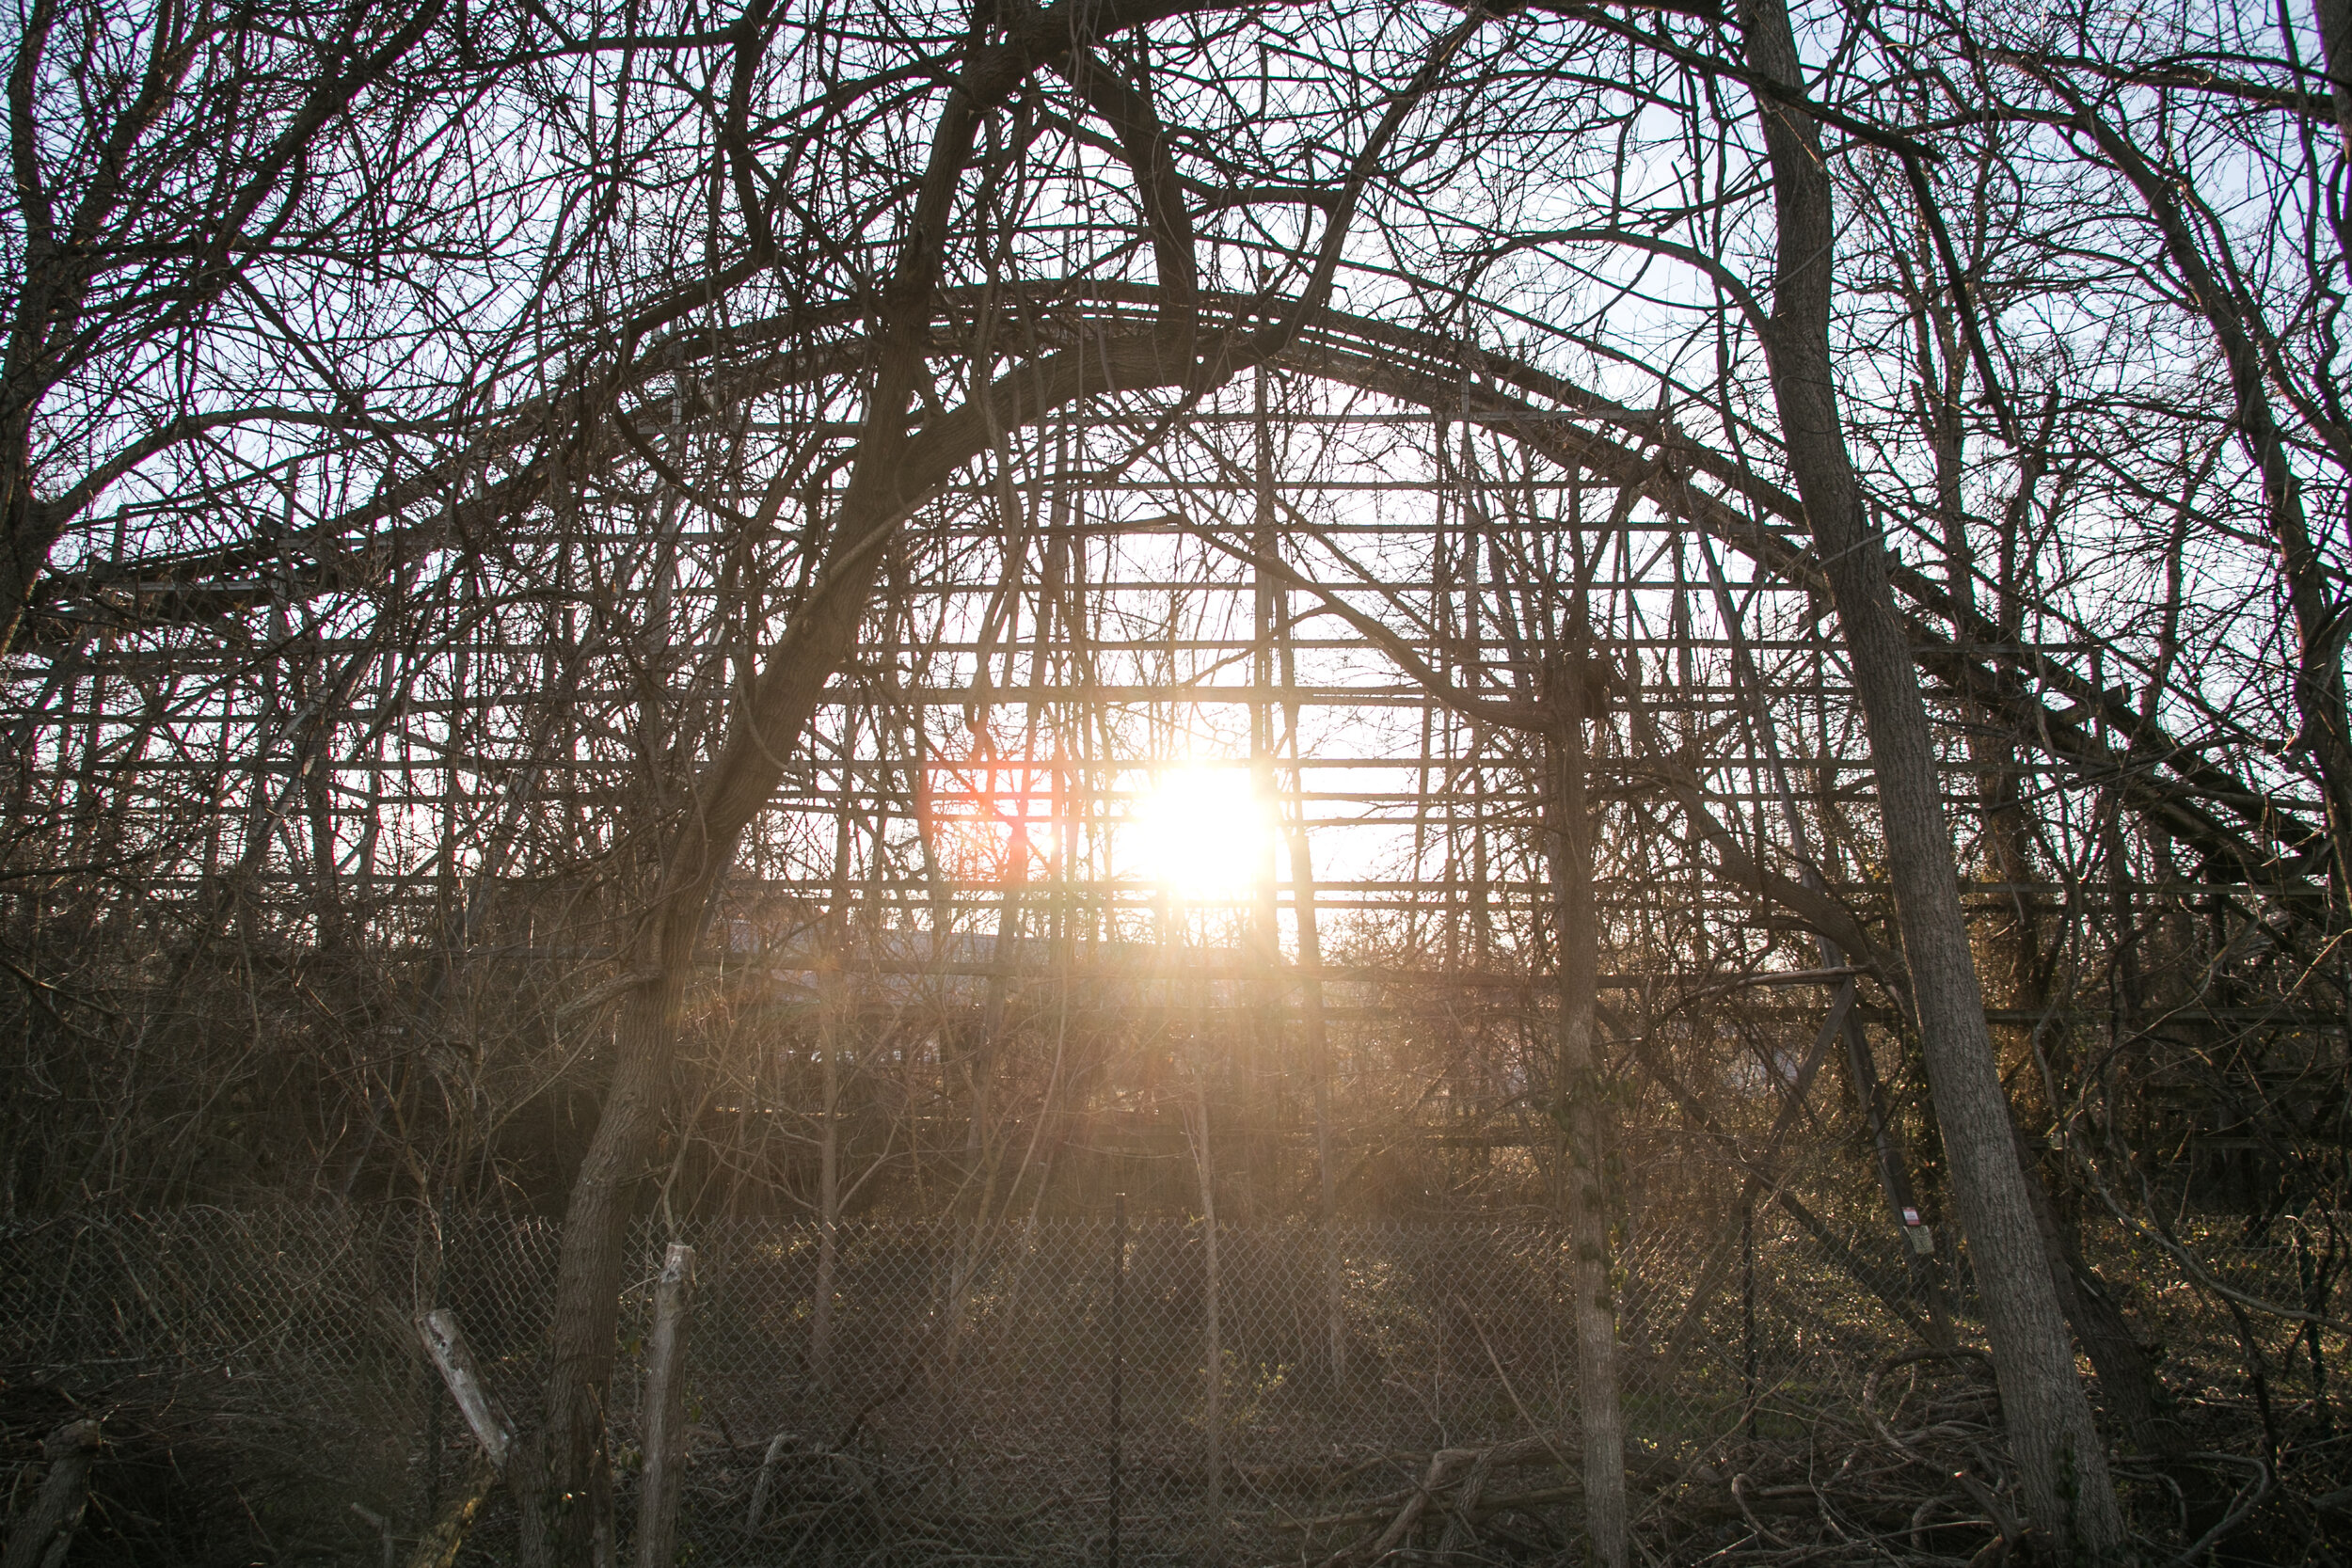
(1582, 1120)
(2063, 1461)
(1318, 1041)
(833, 1022)
(565, 1478)
(2127, 1379)
(565, 1484)
(26, 535)
(564, 1481)
(2335, 36)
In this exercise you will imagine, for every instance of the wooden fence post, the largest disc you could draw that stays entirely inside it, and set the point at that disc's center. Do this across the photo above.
(665, 1409)
(445, 1343)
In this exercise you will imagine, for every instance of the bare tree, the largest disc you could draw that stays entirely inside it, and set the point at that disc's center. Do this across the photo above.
(207, 159)
(2066, 1467)
(519, 507)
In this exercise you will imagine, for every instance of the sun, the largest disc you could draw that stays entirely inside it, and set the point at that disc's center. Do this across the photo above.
(1204, 832)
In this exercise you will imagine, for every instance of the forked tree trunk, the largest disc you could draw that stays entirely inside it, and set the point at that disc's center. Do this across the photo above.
(564, 1480)
(2063, 1461)
(1583, 1122)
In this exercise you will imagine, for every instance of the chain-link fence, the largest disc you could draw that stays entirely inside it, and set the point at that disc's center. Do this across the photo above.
(1076, 1392)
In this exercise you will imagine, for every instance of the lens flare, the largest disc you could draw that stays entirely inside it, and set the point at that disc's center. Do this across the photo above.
(1204, 833)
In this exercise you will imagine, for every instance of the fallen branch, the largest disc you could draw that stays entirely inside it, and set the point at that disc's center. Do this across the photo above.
(43, 1536)
(1446, 1466)
(1438, 1507)
(446, 1344)
(439, 1547)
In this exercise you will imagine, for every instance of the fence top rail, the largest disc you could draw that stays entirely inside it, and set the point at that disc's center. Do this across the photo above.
(328, 1216)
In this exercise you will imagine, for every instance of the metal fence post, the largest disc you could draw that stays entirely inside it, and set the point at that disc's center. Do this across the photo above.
(1213, 1501)
(1747, 1310)
(665, 1409)
(1117, 1327)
